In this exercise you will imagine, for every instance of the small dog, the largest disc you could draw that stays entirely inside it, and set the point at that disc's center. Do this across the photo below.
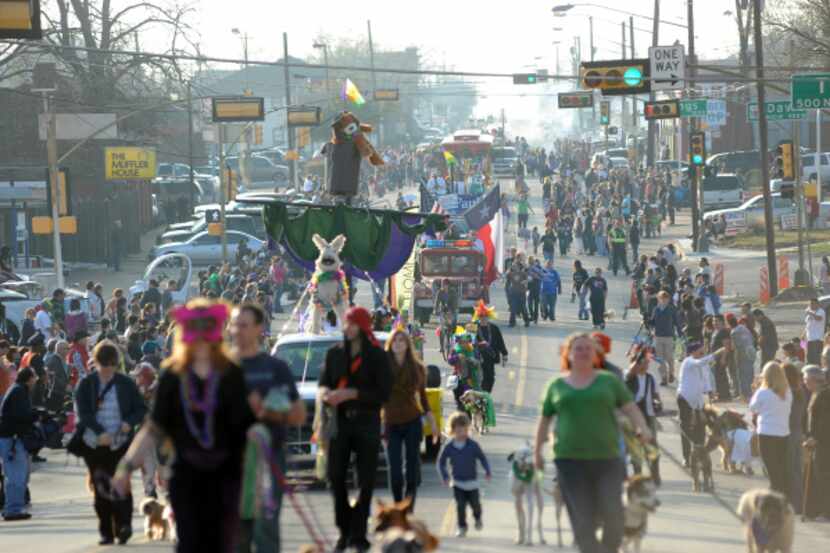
(731, 431)
(641, 501)
(156, 519)
(474, 402)
(769, 521)
(395, 517)
(526, 488)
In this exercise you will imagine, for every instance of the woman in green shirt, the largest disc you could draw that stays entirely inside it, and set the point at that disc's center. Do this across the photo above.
(586, 445)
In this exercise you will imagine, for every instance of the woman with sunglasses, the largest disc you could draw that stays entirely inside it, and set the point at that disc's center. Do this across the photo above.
(201, 408)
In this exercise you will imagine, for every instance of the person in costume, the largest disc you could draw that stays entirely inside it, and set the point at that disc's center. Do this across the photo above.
(466, 367)
(490, 344)
(201, 381)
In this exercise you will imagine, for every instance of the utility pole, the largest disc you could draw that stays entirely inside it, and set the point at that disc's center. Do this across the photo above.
(801, 276)
(697, 206)
(375, 81)
(591, 46)
(52, 156)
(224, 186)
(769, 222)
(652, 128)
(634, 121)
(292, 164)
(190, 144)
(624, 53)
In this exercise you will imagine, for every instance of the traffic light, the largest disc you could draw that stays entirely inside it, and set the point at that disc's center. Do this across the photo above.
(785, 169)
(605, 112)
(697, 149)
(666, 109)
(20, 19)
(524, 78)
(616, 77)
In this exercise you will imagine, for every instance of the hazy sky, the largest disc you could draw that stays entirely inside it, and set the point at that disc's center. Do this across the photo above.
(467, 35)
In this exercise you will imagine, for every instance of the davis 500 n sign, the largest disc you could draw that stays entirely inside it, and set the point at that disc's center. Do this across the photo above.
(811, 91)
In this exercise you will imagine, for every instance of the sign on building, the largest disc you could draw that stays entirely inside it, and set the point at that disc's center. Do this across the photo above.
(129, 163)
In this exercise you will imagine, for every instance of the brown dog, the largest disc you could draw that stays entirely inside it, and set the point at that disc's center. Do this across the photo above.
(156, 524)
(769, 521)
(396, 516)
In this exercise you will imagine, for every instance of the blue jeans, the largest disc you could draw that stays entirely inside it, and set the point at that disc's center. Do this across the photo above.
(548, 255)
(15, 462)
(746, 373)
(583, 305)
(549, 306)
(592, 490)
(278, 289)
(404, 436)
(266, 533)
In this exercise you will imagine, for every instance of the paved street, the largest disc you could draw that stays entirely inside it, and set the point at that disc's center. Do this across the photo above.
(689, 522)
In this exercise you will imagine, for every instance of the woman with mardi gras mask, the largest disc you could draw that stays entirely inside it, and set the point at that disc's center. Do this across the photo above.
(201, 381)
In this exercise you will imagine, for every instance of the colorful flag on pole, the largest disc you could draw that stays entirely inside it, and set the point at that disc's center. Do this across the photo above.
(449, 158)
(351, 93)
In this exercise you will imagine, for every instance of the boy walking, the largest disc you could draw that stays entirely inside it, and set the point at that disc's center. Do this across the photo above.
(462, 454)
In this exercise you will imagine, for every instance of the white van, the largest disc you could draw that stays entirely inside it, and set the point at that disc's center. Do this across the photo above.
(722, 191)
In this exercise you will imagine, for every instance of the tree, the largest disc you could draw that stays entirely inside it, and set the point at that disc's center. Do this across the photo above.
(807, 23)
(81, 36)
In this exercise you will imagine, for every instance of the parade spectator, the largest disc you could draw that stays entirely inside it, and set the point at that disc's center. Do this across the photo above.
(28, 328)
(743, 347)
(356, 382)
(767, 336)
(201, 407)
(76, 320)
(95, 301)
(665, 325)
(824, 275)
(818, 444)
(771, 405)
(694, 384)
(275, 401)
(463, 454)
(721, 338)
(814, 326)
(516, 282)
(59, 378)
(795, 441)
(109, 407)
(551, 289)
(597, 288)
(586, 449)
(16, 420)
(402, 415)
(642, 386)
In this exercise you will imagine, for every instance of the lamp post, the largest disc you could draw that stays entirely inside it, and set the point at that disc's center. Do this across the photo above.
(325, 47)
(244, 37)
(561, 9)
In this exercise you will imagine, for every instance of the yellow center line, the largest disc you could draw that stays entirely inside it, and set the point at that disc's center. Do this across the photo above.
(448, 521)
(520, 385)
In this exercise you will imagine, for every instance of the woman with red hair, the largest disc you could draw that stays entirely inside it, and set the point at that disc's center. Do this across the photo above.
(201, 407)
(587, 446)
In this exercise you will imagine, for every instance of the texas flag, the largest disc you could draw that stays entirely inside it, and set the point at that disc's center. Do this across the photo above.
(484, 218)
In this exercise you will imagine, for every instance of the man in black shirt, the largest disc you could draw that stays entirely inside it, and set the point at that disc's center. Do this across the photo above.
(356, 382)
(491, 345)
(597, 292)
(274, 399)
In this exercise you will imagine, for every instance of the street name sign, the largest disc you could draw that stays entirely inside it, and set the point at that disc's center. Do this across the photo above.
(693, 108)
(776, 111)
(811, 91)
(571, 100)
(129, 163)
(668, 67)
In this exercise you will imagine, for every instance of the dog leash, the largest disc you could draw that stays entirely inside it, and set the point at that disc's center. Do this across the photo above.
(319, 538)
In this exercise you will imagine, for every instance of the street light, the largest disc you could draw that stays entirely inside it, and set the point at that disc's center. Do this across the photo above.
(325, 48)
(244, 37)
(561, 9)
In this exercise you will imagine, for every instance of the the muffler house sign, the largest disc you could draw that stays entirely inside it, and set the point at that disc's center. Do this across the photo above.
(128, 163)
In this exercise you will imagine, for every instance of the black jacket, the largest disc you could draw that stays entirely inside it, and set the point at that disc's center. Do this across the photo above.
(492, 335)
(633, 384)
(130, 402)
(373, 379)
(16, 417)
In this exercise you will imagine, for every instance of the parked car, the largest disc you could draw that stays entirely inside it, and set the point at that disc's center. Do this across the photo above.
(163, 269)
(618, 163)
(206, 249)
(305, 355)
(261, 172)
(753, 210)
(172, 171)
(808, 167)
(240, 222)
(733, 162)
(722, 191)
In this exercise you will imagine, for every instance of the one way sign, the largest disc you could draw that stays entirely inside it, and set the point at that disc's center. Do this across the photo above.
(668, 67)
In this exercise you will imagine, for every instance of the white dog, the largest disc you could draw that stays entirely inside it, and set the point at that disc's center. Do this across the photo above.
(526, 488)
(329, 291)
